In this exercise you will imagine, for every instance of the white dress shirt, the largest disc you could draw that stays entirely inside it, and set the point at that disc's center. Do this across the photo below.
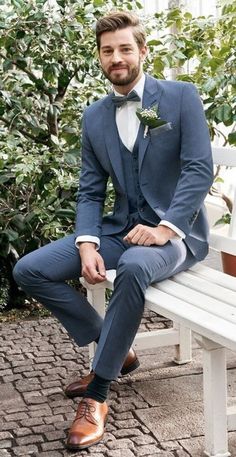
(128, 125)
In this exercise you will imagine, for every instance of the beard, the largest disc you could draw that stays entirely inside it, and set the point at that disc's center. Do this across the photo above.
(119, 80)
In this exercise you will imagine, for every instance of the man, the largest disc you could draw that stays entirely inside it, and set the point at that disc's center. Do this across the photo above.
(158, 228)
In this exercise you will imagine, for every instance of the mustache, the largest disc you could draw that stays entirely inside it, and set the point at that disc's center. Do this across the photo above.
(117, 67)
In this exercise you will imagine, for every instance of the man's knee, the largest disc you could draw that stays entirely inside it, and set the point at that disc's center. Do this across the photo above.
(130, 267)
(24, 270)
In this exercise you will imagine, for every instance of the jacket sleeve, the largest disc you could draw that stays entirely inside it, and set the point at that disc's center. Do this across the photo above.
(92, 190)
(196, 174)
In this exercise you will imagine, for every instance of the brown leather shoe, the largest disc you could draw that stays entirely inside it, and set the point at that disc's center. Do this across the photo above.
(89, 424)
(78, 388)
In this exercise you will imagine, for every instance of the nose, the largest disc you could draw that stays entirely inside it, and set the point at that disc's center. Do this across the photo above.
(116, 57)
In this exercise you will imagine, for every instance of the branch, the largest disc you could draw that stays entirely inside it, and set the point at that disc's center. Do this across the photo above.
(31, 76)
(62, 89)
(25, 133)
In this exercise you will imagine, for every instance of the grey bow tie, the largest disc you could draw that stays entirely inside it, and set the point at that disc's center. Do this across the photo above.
(120, 100)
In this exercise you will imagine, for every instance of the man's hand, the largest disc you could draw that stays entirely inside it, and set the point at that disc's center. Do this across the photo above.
(147, 236)
(93, 268)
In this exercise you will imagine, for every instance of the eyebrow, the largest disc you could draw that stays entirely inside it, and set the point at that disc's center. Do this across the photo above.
(107, 46)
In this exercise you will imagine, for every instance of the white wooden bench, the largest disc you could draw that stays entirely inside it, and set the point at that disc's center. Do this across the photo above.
(201, 301)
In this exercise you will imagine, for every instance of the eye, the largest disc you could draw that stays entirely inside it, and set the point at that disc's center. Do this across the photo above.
(126, 50)
(107, 52)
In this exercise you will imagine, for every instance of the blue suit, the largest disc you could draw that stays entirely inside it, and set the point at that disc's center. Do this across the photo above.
(174, 174)
(175, 166)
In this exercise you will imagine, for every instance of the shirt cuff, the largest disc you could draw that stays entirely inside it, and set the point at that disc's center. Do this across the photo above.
(87, 239)
(178, 232)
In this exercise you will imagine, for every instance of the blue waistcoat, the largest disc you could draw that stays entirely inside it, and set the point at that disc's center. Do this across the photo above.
(139, 210)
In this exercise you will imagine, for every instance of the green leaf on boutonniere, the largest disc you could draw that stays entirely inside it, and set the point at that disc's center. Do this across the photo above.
(150, 117)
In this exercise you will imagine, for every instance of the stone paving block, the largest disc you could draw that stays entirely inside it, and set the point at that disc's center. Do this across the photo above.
(165, 424)
(8, 426)
(55, 435)
(9, 396)
(130, 432)
(49, 454)
(31, 422)
(120, 453)
(53, 445)
(22, 431)
(144, 439)
(170, 445)
(54, 419)
(25, 450)
(4, 444)
(195, 446)
(120, 444)
(24, 440)
(150, 449)
(171, 391)
(12, 378)
(5, 435)
(16, 416)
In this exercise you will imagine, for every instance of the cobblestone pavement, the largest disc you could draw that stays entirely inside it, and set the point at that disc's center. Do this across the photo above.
(156, 411)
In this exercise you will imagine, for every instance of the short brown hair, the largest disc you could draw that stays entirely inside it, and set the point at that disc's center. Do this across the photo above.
(118, 20)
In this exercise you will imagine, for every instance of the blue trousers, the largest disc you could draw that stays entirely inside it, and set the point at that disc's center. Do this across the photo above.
(43, 274)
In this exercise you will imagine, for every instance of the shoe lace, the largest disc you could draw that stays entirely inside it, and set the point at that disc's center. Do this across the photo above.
(87, 410)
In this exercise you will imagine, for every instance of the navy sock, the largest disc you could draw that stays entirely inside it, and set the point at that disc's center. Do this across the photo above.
(98, 389)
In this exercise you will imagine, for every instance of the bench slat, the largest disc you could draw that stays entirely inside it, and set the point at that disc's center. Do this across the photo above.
(205, 286)
(200, 301)
(215, 276)
(212, 327)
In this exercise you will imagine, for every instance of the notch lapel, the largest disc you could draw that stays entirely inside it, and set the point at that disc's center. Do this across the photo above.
(112, 139)
(151, 97)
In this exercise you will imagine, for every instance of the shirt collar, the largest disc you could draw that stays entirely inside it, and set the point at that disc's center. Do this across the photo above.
(139, 87)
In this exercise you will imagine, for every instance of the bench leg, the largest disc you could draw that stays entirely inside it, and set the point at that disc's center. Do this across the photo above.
(183, 350)
(96, 297)
(215, 398)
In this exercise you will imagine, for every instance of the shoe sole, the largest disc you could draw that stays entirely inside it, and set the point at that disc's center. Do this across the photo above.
(75, 447)
(133, 366)
(75, 394)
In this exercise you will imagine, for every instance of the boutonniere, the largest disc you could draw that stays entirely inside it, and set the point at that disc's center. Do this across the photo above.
(150, 118)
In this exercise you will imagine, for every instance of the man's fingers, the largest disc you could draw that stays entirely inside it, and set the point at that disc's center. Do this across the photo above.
(93, 277)
(101, 267)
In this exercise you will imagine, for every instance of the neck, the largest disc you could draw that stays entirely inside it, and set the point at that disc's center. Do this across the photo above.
(124, 90)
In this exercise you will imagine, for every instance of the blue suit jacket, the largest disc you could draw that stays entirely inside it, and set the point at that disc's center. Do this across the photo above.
(175, 166)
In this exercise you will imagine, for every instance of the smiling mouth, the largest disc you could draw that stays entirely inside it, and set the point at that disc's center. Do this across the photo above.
(118, 68)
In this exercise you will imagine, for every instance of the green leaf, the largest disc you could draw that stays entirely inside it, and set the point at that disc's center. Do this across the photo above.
(179, 55)
(154, 43)
(54, 140)
(225, 219)
(158, 65)
(12, 235)
(210, 85)
(223, 113)
(232, 138)
(20, 34)
(21, 62)
(219, 179)
(98, 3)
(7, 65)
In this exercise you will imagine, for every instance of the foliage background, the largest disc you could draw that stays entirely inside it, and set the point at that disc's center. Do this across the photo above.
(49, 72)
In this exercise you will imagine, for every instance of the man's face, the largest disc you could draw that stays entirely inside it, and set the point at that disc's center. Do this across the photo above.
(121, 58)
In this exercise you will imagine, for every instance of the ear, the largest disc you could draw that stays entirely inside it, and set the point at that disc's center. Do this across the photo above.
(143, 52)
